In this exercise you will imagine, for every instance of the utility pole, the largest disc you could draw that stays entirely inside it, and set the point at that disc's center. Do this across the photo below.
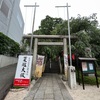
(68, 31)
(31, 40)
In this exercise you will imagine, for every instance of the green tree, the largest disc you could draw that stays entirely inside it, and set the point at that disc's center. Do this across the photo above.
(48, 25)
(85, 28)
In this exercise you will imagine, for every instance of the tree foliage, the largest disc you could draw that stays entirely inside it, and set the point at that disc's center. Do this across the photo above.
(49, 24)
(88, 33)
(85, 28)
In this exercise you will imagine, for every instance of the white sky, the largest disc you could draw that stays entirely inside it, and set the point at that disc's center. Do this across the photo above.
(47, 7)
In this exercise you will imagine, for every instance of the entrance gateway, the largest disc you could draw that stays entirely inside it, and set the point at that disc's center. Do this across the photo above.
(36, 44)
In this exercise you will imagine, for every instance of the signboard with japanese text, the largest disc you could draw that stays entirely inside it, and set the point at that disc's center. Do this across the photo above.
(87, 66)
(23, 71)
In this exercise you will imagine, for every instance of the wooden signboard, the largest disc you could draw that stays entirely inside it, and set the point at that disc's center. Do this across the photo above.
(86, 66)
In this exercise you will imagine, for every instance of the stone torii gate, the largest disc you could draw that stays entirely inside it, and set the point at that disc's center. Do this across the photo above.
(37, 43)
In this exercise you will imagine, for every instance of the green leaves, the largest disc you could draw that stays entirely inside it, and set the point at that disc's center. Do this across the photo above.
(8, 46)
(49, 24)
(85, 28)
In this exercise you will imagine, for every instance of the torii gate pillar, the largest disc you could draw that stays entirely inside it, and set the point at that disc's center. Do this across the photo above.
(35, 55)
(65, 53)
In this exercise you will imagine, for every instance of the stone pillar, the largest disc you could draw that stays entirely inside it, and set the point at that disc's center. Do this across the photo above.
(65, 45)
(65, 58)
(72, 77)
(35, 55)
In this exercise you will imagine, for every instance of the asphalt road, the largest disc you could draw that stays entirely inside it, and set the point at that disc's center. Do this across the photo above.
(7, 75)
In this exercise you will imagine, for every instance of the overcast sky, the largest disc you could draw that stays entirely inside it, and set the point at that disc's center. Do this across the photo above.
(47, 7)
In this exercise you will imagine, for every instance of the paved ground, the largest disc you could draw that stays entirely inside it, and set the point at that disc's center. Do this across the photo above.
(6, 79)
(49, 87)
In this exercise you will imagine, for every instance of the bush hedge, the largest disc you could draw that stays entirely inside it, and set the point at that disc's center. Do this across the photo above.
(8, 46)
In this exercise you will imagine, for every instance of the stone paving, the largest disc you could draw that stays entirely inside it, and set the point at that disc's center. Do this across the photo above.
(49, 87)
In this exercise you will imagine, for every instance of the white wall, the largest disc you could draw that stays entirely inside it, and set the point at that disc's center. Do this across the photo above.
(5, 61)
(16, 25)
(4, 20)
(12, 25)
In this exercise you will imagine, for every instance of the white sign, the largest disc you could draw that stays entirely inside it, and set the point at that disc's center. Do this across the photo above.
(84, 66)
(66, 60)
(90, 66)
(66, 64)
(23, 72)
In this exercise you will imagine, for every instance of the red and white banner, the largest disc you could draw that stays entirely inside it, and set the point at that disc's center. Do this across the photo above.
(23, 72)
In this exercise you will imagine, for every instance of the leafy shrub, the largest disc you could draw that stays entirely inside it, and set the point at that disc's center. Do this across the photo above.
(8, 46)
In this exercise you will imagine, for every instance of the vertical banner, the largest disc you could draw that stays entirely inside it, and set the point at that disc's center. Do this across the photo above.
(39, 66)
(66, 64)
(23, 71)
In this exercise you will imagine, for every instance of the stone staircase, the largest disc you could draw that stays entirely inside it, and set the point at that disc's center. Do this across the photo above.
(55, 68)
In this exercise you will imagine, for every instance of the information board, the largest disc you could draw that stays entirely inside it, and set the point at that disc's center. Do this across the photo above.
(23, 71)
(87, 67)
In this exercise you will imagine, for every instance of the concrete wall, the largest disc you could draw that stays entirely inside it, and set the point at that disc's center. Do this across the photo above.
(4, 60)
